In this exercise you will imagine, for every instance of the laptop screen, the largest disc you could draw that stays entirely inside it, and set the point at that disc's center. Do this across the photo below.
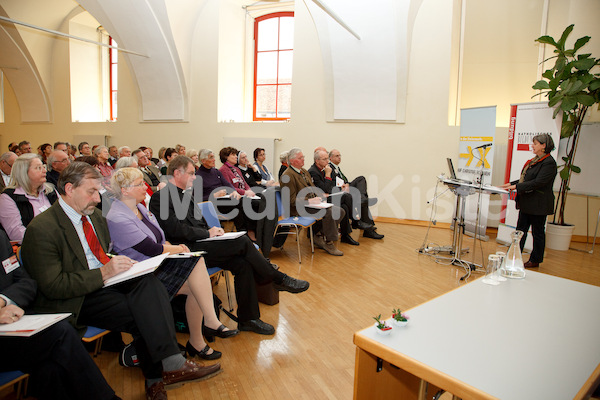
(451, 168)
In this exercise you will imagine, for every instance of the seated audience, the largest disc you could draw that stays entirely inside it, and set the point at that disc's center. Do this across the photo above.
(151, 173)
(11, 145)
(124, 151)
(321, 173)
(169, 154)
(57, 362)
(193, 155)
(62, 146)
(360, 183)
(136, 234)
(296, 178)
(249, 172)
(26, 196)
(72, 151)
(213, 181)
(231, 173)
(101, 153)
(15, 149)
(113, 153)
(84, 149)
(57, 161)
(236, 255)
(180, 149)
(45, 150)
(6, 162)
(216, 185)
(161, 158)
(132, 162)
(25, 147)
(283, 159)
(149, 153)
(64, 250)
(266, 176)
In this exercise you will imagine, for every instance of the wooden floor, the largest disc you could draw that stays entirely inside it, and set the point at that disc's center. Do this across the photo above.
(311, 356)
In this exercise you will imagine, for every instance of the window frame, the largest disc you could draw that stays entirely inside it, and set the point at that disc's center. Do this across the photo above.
(256, 52)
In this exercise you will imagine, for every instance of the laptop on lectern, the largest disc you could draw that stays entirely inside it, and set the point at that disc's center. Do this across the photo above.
(453, 172)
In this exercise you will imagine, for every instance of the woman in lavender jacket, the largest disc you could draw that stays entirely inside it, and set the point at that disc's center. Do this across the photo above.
(136, 234)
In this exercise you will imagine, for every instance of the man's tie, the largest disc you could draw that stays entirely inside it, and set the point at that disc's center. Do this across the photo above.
(93, 242)
(342, 175)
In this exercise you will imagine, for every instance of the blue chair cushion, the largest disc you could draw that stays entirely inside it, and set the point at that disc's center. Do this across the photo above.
(8, 376)
(301, 221)
(93, 331)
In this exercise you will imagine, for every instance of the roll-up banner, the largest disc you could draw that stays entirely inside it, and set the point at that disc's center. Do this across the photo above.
(475, 162)
(526, 121)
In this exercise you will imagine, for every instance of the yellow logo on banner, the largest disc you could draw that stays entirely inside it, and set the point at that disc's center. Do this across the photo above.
(482, 157)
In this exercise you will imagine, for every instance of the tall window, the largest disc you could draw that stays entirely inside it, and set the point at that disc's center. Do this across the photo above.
(273, 55)
(113, 56)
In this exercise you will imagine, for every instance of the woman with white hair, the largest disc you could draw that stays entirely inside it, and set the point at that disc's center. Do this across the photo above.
(26, 196)
(136, 233)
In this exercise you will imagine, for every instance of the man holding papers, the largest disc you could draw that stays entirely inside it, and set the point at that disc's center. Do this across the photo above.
(64, 250)
(301, 189)
(180, 219)
(50, 356)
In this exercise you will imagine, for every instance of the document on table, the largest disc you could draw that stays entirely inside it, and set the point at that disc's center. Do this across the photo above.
(29, 325)
(225, 236)
(339, 181)
(141, 268)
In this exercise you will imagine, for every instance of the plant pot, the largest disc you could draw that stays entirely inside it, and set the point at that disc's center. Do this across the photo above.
(382, 332)
(399, 323)
(558, 237)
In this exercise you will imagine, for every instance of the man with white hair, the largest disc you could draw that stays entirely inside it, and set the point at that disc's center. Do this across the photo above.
(6, 161)
(57, 161)
(295, 179)
(151, 173)
(124, 151)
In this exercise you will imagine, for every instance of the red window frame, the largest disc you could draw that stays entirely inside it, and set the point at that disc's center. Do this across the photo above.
(256, 52)
(112, 61)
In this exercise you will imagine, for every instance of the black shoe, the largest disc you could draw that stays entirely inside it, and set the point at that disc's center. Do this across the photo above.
(291, 285)
(358, 224)
(256, 326)
(348, 239)
(210, 333)
(191, 350)
(370, 233)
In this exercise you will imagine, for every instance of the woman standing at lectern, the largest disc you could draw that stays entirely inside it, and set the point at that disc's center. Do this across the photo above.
(535, 198)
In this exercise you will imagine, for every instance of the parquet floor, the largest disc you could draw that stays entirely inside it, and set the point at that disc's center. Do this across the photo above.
(311, 356)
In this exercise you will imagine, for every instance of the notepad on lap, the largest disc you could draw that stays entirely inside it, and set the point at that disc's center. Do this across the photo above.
(29, 325)
(225, 236)
(138, 269)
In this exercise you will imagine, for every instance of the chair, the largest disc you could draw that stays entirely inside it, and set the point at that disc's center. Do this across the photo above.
(12, 378)
(212, 219)
(95, 334)
(297, 222)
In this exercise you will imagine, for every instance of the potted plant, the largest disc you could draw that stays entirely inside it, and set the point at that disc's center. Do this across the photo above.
(571, 87)
(382, 327)
(399, 318)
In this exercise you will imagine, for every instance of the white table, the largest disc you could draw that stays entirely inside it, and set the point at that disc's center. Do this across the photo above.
(536, 338)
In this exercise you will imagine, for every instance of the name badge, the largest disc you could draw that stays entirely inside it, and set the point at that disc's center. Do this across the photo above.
(10, 264)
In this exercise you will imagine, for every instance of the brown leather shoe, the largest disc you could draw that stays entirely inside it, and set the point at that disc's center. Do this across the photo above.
(156, 392)
(190, 372)
(530, 264)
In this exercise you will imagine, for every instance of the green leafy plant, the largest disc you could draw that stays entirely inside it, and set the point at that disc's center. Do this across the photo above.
(381, 325)
(399, 316)
(571, 87)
